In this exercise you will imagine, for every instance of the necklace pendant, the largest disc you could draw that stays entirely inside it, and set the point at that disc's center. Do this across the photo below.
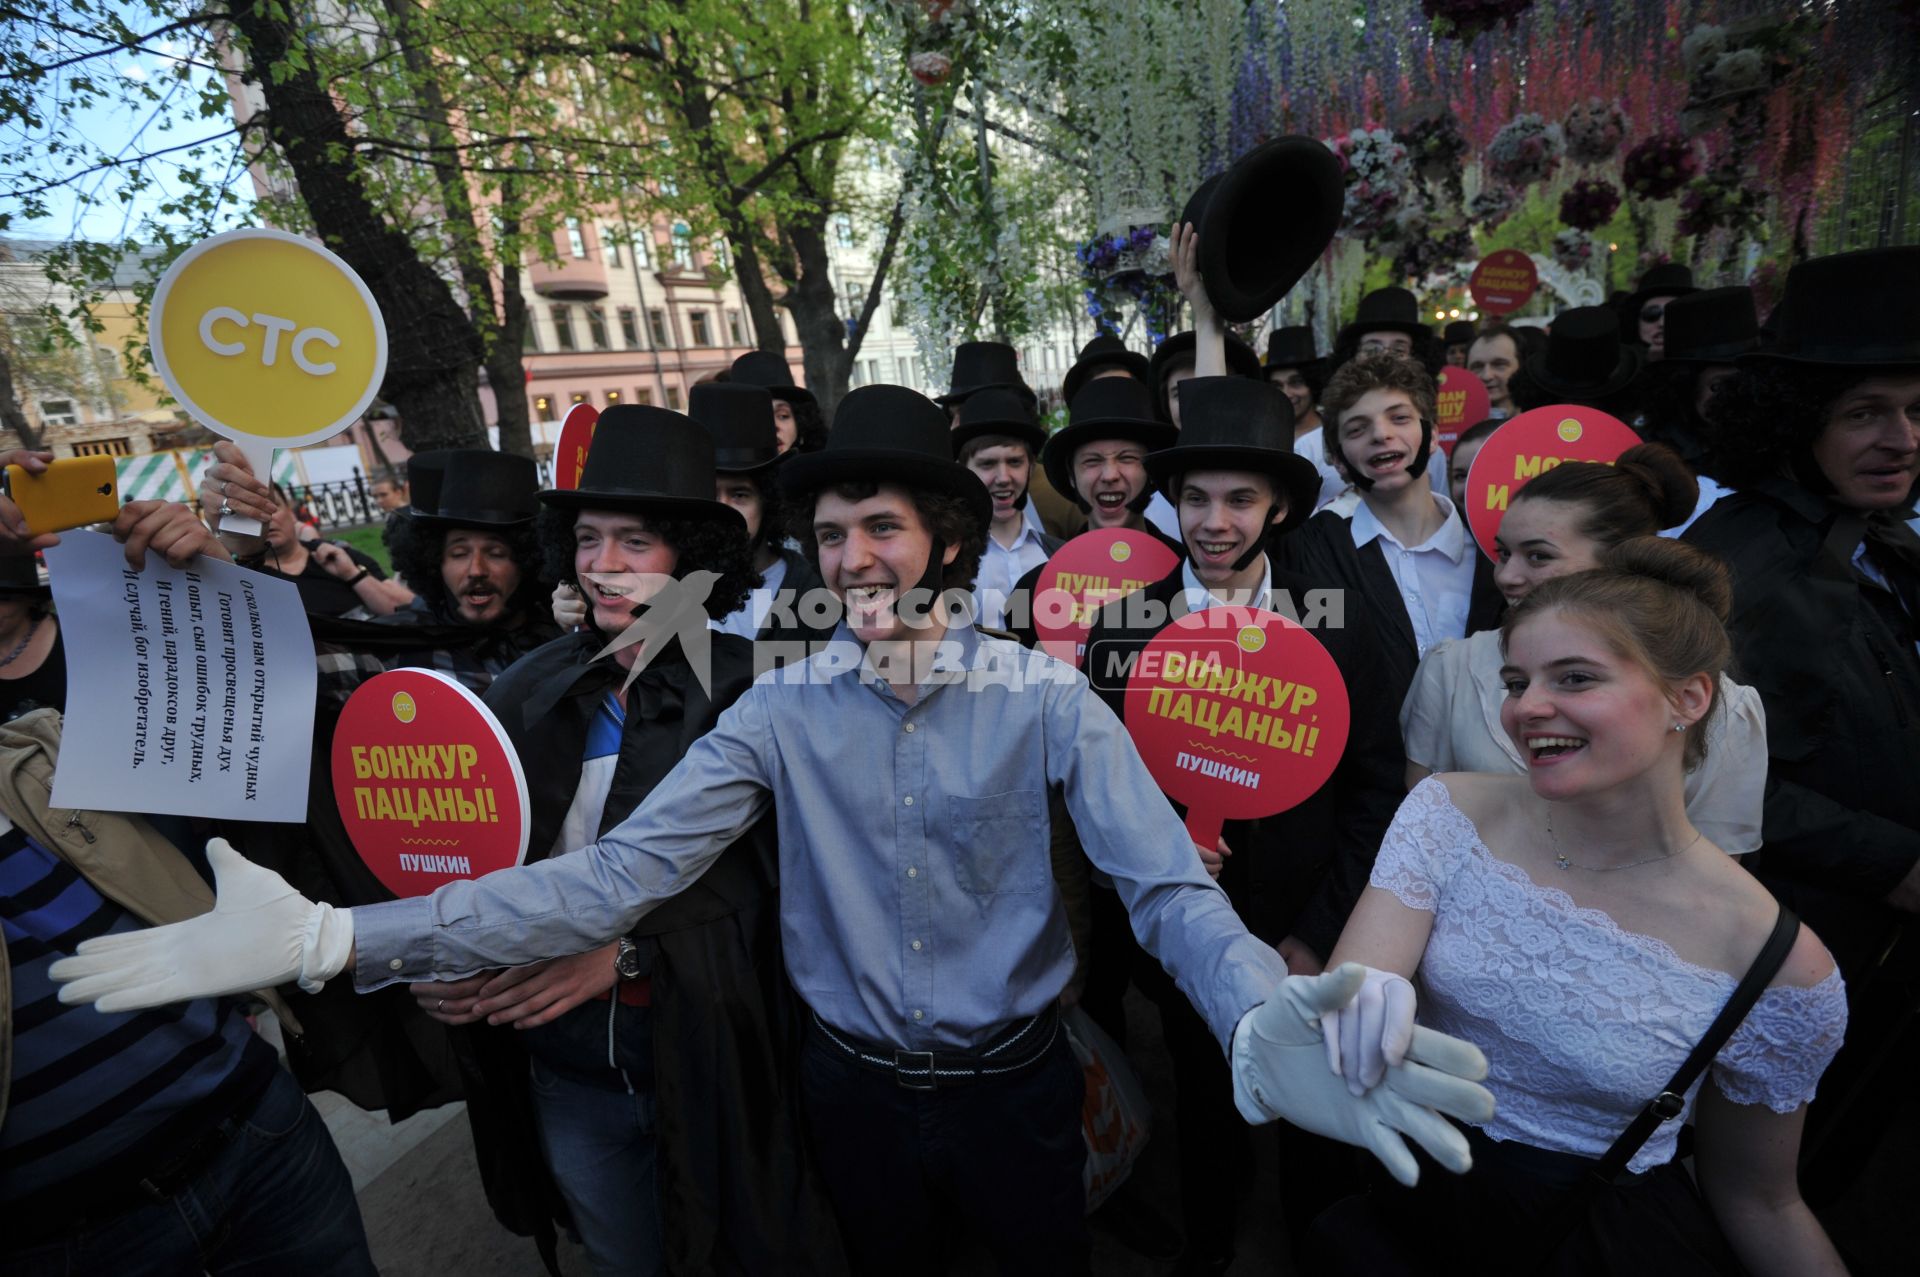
(1562, 862)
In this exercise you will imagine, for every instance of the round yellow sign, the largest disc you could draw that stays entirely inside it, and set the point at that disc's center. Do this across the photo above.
(1571, 430)
(267, 336)
(1120, 551)
(1251, 638)
(403, 707)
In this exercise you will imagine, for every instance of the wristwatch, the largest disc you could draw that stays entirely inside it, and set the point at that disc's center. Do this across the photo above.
(626, 960)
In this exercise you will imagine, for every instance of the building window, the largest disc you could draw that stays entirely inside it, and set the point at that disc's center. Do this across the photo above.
(102, 448)
(576, 238)
(610, 245)
(736, 328)
(855, 295)
(843, 230)
(642, 254)
(702, 327)
(643, 396)
(717, 253)
(107, 360)
(580, 396)
(629, 328)
(530, 332)
(657, 323)
(682, 246)
(563, 328)
(897, 312)
(58, 412)
(543, 407)
(673, 398)
(597, 328)
(613, 397)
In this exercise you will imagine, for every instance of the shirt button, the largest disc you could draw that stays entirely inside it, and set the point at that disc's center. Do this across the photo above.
(909, 800)
(909, 729)
(919, 1015)
(913, 873)
(395, 965)
(916, 946)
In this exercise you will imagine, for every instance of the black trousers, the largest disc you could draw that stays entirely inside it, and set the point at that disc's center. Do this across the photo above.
(1001, 1157)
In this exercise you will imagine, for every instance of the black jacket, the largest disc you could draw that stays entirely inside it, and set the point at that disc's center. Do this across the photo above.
(1833, 659)
(1298, 873)
(738, 1191)
(1322, 550)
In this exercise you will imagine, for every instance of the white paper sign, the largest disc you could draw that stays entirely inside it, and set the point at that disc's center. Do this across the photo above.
(189, 693)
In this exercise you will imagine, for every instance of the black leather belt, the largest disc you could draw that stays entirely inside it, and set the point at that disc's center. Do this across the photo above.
(1015, 1049)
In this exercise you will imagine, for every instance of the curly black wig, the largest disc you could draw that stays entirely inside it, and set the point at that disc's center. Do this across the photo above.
(1762, 421)
(417, 549)
(773, 514)
(810, 427)
(948, 518)
(713, 545)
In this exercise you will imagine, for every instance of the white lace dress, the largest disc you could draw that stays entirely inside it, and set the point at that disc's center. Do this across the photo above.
(1581, 1021)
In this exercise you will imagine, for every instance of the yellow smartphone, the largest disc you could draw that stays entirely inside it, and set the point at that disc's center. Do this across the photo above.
(72, 493)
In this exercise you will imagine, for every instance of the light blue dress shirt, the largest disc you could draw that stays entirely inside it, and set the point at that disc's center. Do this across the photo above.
(917, 899)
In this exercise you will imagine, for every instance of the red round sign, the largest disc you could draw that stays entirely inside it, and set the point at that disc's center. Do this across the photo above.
(1085, 575)
(1503, 281)
(1530, 444)
(1238, 713)
(1462, 401)
(427, 783)
(570, 454)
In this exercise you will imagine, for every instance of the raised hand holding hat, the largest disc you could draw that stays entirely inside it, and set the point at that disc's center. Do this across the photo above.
(1280, 1072)
(261, 933)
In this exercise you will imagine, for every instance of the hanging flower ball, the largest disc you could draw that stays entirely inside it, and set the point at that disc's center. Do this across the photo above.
(1526, 150)
(1492, 205)
(1594, 130)
(930, 66)
(1658, 167)
(935, 9)
(1573, 250)
(1589, 204)
(1470, 19)
(1719, 200)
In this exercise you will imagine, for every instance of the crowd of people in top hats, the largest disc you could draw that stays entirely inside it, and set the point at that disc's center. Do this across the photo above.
(1598, 939)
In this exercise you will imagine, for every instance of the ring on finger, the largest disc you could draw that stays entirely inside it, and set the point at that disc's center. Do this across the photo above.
(223, 488)
(226, 509)
(441, 1005)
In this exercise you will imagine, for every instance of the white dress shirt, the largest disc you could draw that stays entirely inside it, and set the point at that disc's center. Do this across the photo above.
(1001, 568)
(1199, 599)
(1435, 577)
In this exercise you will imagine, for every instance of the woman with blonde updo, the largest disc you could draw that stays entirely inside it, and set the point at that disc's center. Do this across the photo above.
(1580, 928)
(1563, 522)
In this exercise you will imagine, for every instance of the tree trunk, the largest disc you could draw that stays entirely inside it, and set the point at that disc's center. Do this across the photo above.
(433, 350)
(816, 317)
(11, 416)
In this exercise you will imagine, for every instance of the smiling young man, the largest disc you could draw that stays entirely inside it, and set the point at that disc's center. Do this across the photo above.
(909, 767)
(1410, 568)
(1237, 484)
(997, 438)
(1818, 433)
(1494, 357)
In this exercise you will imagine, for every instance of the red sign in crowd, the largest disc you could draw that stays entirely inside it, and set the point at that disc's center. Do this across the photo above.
(1503, 281)
(1529, 445)
(1085, 575)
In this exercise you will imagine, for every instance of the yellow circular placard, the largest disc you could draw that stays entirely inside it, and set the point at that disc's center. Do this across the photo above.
(1571, 430)
(403, 707)
(264, 335)
(1120, 551)
(1251, 638)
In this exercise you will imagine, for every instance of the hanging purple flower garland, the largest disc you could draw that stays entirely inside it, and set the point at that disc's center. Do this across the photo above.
(1589, 204)
(1658, 167)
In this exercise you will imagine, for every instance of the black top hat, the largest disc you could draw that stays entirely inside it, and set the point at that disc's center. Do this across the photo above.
(650, 461)
(1669, 279)
(1264, 222)
(1291, 348)
(889, 434)
(1855, 310)
(979, 364)
(1386, 310)
(426, 471)
(1104, 351)
(760, 368)
(481, 488)
(1177, 349)
(1458, 333)
(1711, 326)
(1584, 358)
(1231, 423)
(1110, 408)
(994, 411)
(20, 574)
(740, 419)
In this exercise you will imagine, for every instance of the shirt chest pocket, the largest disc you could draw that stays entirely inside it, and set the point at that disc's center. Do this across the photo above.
(1000, 842)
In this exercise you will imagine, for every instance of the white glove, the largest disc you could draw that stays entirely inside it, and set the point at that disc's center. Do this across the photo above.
(261, 933)
(569, 607)
(1371, 1033)
(1280, 1071)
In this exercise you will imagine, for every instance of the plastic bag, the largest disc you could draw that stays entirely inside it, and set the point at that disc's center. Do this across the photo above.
(1113, 1116)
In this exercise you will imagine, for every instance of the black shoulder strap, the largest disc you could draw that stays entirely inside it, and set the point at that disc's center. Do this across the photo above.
(1672, 1100)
